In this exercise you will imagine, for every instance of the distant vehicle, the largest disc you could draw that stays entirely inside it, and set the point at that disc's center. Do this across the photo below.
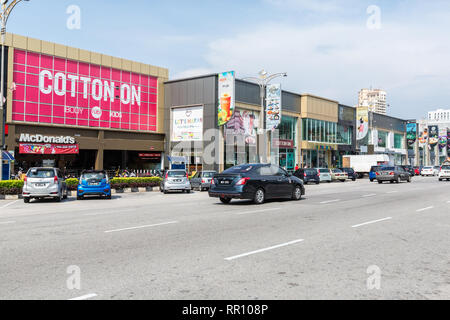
(338, 175)
(444, 173)
(436, 170)
(350, 172)
(257, 182)
(202, 180)
(175, 180)
(93, 183)
(427, 171)
(373, 173)
(41, 183)
(308, 175)
(324, 175)
(409, 169)
(362, 163)
(393, 174)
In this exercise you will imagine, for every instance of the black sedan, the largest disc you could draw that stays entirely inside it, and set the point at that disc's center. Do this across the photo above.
(350, 172)
(256, 182)
(308, 175)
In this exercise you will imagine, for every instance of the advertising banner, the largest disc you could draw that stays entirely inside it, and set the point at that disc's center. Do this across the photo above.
(448, 142)
(442, 138)
(187, 124)
(411, 133)
(53, 90)
(362, 122)
(49, 148)
(226, 105)
(243, 123)
(433, 135)
(423, 134)
(273, 109)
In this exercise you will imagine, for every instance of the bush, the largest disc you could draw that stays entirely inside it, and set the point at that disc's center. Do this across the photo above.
(11, 187)
(72, 184)
(121, 183)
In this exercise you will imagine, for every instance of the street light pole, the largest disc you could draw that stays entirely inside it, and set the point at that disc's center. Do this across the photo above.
(263, 80)
(6, 10)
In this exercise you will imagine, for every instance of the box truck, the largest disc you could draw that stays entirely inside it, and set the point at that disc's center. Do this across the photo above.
(362, 163)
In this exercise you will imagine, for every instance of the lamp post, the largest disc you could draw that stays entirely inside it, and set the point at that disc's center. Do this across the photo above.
(263, 80)
(6, 10)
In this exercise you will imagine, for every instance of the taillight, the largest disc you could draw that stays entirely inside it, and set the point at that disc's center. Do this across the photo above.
(55, 180)
(167, 175)
(212, 181)
(187, 176)
(25, 179)
(203, 180)
(305, 175)
(391, 174)
(377, 173)
(242, 181)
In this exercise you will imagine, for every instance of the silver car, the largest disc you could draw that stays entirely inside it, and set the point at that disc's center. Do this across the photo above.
(324, 175)
(202, 180)
(41, 183)
(175, 180)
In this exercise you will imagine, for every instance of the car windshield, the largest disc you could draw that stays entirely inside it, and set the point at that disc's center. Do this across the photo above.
(311, 171)
(324, 171)
(375, 169)
(388, 168)
(238, 169)
(176, 174)
(93, 175)
(427, 168)
(350, 170)
(445, 167)
(208, 174)
(41, 173)
(337, 171)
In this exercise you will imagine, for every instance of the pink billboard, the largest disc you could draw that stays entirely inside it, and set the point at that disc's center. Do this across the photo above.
(52, 90)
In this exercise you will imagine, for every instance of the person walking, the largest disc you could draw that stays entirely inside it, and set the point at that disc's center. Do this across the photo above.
(296, 167)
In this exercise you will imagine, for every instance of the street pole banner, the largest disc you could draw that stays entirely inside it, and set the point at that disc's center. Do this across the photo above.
(411, 133)
(362, 122)
(442, 138)
(226, 104)
(448, 142)
(273, 110)
(433, 135)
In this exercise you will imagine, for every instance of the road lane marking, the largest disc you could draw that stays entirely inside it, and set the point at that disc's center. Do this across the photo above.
(370, 222)
(330, 201)
(85, 297)
(8, 204)
(390, 192)
(265, 249)
(254, 211)
(369, 195)
(424, 209)
(141, 227)
(7, 222)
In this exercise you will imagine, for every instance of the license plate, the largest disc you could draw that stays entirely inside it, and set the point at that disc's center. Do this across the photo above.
(178, 180)
(39, 185)
(225, 182)
(93, 184)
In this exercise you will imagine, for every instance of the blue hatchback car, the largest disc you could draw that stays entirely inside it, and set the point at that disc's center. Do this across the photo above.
(93, 183)
(373, 173)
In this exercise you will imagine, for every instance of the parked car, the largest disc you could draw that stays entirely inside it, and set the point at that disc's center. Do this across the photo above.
(41, 183)
(308, 175)
(202, 180)
(373, 172)
(409, 169)
(393, 174)
(436, 170)
(427, 171)
(444, 173)
(350, 173)
(93, 183)
(338, 175)
(257, 182)
(324, 175)
(175, 180)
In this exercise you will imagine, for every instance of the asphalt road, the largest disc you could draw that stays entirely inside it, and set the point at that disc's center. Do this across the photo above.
(190, 246)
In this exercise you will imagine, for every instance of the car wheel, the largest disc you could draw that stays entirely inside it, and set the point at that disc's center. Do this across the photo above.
(440, 179)
(380, 182)
(259, 196)
(59, 198)
(225, 200)
(79, 197)
(343, 180)
(317, 182)
(188, 191)
(65, 195)
(329, 181)
(371, 180)
(297, 195)
(353, 179)
(26, 200)
(165, 191)
(398, 180)
(409, 180)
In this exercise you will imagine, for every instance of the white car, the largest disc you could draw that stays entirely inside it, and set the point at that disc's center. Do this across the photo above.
(444, 173)
(324, 175)
(436, 170)
(427, 171)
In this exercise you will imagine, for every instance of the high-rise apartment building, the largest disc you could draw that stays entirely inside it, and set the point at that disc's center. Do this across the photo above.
(375, 99)
(440, 115)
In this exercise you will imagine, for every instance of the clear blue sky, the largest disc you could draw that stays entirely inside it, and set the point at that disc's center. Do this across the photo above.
(325, 46)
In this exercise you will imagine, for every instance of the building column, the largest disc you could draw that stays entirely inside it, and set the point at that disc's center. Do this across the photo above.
(99, 156)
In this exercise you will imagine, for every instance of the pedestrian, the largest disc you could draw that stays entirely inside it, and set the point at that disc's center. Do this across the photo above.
(296, 167)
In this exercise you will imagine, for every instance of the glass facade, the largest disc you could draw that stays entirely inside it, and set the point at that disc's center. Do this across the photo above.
(398, 141)
(287, 130)
(344, 134)
(382, 138)
(319, 131)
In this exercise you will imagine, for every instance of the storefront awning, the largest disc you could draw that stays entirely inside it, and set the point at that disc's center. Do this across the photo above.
(7, 156)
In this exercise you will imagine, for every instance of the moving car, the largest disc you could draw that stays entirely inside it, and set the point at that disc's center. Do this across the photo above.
(393, 174)
(436, 170)
(202, 180)
(350, 173)
(308, 175)
(444, 173)
(175, 180)
(257, 182)
(41, 183)
(324, 175)
(409, 169)
(93, 183)
(338, 175)
(427, 171)
(373, 172)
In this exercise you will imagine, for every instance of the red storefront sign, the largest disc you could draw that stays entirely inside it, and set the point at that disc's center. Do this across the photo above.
(283, 144)
(48, 148)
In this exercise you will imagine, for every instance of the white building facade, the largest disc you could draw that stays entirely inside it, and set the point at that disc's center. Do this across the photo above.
(374, 99)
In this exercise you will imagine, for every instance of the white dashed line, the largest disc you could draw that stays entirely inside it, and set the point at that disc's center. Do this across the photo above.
(85, 297)
(369, 195)
(8, 204)
(330, 201)
(7, 222)
(265, 249)
(370, 222)
(391, 192)
(424, 209)
(141, 227)
(255, 211)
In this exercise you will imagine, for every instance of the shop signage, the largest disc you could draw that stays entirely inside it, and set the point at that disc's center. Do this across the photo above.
(283, 144)
(149, 155)
(60, 91)
(362, 122)
(48, 148)
(273, 110)
(187, 124)
(433, 135)
(226, 104)
(25, 137)
(243, 123)
(411, 133)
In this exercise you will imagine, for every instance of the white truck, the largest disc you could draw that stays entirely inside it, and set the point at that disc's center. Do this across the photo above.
(361, 164)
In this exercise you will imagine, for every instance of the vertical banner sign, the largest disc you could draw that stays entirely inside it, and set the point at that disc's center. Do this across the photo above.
(448, 143)
(433, 135)
(362, 122)
(411, 133)
(226, 97)
(273, 110)
(442, 138)
(423, 137)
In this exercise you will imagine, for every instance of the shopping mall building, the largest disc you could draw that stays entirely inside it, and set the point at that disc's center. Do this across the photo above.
(77, 109)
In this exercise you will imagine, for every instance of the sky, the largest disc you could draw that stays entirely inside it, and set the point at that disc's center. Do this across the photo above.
(329, 48)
